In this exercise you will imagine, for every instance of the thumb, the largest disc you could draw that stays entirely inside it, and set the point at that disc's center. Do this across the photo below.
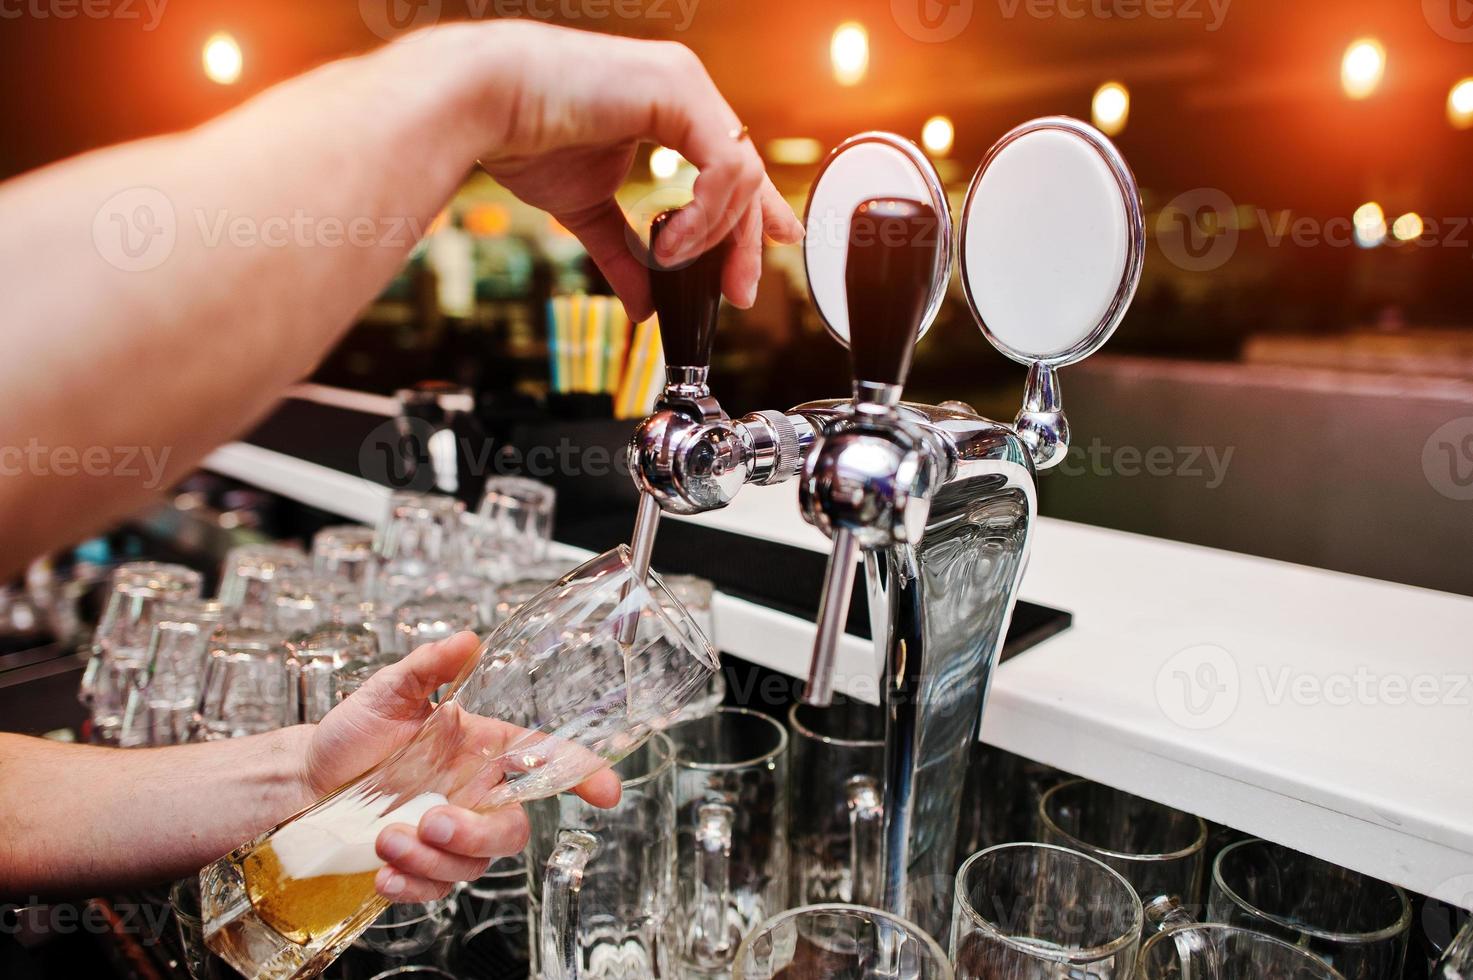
(403, 688)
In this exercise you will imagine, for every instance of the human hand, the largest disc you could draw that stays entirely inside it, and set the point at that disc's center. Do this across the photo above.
(451, 843)
(583, 102)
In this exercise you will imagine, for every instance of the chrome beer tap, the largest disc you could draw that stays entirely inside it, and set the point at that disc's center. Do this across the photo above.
(689, 456)
(940, 500)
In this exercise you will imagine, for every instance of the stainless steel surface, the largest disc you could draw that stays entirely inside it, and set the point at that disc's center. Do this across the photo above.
(941, 501)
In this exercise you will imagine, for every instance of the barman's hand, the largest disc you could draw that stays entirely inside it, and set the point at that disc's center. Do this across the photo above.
(451, 843)
(583, 103)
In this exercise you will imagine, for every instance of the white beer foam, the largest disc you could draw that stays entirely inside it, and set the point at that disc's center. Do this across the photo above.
(339, 838)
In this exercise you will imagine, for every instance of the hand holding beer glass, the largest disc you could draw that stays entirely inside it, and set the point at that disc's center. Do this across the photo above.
(552, 697)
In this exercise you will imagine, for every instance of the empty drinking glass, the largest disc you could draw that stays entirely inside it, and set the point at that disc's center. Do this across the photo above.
(161, 705)
(839, 942)
(1357, 924)
(1218, 952)
(517, 518)
(120, 649)
(1159, 850)
(410, 928)
(435, 618)
(303, 602)
(552, 696)
(344, 553)
(245, 688)
(731, 833)
(184, 900)
(1040, 912)
(314, 659)
(836, 834)
(248, 577)
(604, 887)
(421, 531)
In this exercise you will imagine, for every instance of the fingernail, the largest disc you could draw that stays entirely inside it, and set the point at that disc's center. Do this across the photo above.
(393, 885)
(394, 846)
(437, 828)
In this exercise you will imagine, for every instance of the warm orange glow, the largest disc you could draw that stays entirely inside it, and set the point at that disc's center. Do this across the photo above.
(1110, 108)
(222, 59)
(1362, 68)
(849, 51)
(664, 163)
(794, 150)
(938, 135)
(1369, 215)
(1408, 228)
(488, 220)
(1460, 104)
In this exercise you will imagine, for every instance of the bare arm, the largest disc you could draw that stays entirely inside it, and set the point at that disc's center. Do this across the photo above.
(160, 295)
(81, 819)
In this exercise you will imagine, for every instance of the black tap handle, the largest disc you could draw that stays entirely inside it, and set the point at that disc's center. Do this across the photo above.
(888, 275)
(686, 298)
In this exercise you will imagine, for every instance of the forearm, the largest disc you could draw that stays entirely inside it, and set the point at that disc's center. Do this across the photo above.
(81, 819)
(288, 215)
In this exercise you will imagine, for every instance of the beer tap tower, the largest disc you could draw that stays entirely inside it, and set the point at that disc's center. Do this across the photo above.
(939, 501)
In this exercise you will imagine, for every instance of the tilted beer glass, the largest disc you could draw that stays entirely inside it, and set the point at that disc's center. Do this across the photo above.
(552, 696)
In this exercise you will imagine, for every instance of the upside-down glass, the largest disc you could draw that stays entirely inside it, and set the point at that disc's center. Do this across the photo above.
(1040, 912)
(344, 553)
(1357, 924)
(517, 514)
(835, 835)
(184, 900)
(120, 649)
(552, 697)
(249, 576)
(604, 882)
(1159, 850)
(313, 661)
(839, 942)
(731, 834)
(420, 532)
(302, 602)
(246, 685)
(434, 618)
(410, 928)
(161, 705)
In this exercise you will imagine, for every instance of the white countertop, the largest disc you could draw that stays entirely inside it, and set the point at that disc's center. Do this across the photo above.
(1328, 712)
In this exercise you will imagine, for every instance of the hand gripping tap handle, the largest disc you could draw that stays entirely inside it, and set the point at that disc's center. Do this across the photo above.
(687, 298)
(888, 276)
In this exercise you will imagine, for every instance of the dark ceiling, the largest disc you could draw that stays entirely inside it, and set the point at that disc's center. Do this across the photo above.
(1241, 95)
